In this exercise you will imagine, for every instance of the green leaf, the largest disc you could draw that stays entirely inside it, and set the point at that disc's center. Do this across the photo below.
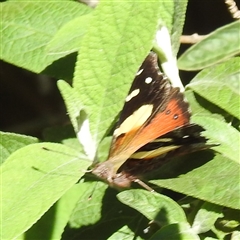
(227, 72)
(221, 133)
(217, 181)
(224, 73)
(166, 11)
(34, 178)
(56, 218)
(88, 208)
(178, 21)
(27, 27)
(124, 234)
(78, 118)
(72, 101)
(212, 84)
(10, 142)
(98, 213)
(216, 47)
(111, 52)
(201, 107)
(68, 39)
(103, 148)
(154, 206)
(206, 217)
(220, 94)
(175, 231)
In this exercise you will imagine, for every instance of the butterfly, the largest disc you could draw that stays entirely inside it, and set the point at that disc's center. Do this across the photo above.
(153, 126)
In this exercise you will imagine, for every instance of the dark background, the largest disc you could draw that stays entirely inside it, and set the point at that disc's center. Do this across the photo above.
(30, 102)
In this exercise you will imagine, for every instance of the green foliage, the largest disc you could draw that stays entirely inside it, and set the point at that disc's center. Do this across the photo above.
(28, 27)
(11, 142)
(218, 46)
(33, 176)
(199, 193)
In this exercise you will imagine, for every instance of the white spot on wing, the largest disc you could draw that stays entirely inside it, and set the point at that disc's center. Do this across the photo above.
(137, 119)
(148, 80)
(133, 94)
(139, 72)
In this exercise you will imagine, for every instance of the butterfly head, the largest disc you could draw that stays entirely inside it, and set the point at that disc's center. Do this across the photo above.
(107, 172)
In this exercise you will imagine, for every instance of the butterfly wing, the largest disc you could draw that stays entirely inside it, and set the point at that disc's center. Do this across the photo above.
(181, 141)
(186, 136)
(152, 108)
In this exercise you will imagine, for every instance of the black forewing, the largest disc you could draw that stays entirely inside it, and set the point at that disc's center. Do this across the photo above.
(155, 92)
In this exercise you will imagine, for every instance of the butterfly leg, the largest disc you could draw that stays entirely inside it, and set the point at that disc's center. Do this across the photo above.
(144, 185)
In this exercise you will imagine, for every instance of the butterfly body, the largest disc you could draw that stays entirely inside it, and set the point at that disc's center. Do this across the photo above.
(106, 172)
(154, 122)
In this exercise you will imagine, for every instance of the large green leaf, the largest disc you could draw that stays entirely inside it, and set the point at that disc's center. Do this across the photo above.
(73, 103)
(98, 213)
(223, 134)
(220, 94)
(33, 178)
(227, 72)
(220, 85)
(89, 205)
(118, 39)
(201, 107)
(178, 21)
(28, 26)
(78, 118)
(67, 39)
(56, 218)
(217, 181)
(217, 47)
(154, 206)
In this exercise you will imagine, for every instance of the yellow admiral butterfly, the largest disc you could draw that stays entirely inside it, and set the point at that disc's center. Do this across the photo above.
(154, 126)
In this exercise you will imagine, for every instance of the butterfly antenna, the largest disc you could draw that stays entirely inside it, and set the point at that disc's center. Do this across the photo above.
(66, 154)
(56, 151)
